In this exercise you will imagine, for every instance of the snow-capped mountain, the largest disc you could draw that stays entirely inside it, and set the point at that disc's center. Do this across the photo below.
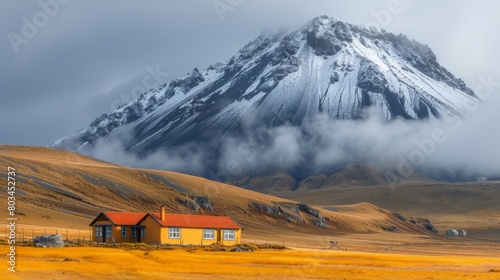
(326, 66)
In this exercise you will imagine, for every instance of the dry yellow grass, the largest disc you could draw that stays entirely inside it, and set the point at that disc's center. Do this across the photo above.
(109, 263)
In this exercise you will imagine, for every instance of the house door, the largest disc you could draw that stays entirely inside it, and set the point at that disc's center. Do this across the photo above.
(219, 236)
(138, 234)
(104, 228)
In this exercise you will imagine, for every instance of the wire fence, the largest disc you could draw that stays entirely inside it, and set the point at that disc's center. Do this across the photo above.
(25, 234)
(291, 244)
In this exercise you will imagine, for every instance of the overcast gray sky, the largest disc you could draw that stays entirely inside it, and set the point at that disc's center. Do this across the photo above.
(64, 64)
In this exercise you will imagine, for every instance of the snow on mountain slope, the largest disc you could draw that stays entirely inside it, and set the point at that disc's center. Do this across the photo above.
(326, 67)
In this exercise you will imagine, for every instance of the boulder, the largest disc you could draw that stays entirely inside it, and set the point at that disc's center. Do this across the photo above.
(241, 248)
(49, 240)
(269, 209)
(204, 202)
(189, 203)
(319, 223)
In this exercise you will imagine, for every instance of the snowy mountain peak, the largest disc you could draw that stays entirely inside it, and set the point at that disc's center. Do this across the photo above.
(324, 67)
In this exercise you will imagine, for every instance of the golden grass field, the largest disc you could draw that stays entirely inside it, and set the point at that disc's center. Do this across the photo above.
(111, 263)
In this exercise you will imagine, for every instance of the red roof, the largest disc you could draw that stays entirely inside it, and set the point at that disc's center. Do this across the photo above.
(196, 221)
(125, 218)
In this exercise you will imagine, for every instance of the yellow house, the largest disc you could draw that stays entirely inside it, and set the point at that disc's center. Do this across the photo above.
(162, 228)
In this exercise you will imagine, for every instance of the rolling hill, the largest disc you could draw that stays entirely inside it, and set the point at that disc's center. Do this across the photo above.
(63, 189)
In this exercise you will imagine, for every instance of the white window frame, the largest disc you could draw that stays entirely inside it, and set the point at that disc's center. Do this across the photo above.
(143, 232)
(124, 231)
(208, 234)
(227, 233)
(108, 231)
(98, 231)
(174, 233)
(134, 232)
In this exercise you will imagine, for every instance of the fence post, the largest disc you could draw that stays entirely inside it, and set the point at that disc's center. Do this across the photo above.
(67, 234)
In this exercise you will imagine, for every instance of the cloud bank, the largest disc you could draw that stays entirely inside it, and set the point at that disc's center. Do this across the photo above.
(451, 149)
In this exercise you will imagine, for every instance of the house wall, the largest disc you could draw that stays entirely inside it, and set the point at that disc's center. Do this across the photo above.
(237, 238)
(128, 238)
(116, 233)
(194, 236)
(153, 231)
(108, 239)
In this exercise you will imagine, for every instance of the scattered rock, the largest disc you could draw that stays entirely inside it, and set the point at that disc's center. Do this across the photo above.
(204, 202)
(309, 210)
(50, 241)
(425, 223)
(189, 203)
(291, 211)
(319, 223)
(269, 209)
(391, 229)
(241, 248)
(399, 216)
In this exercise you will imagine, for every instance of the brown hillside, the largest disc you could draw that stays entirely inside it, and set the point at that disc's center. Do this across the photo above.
(61, 189)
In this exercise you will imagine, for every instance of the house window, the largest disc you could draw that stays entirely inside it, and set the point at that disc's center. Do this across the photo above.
(174, 233)
(229, 234)
(124, 232)
(98, 231)
(208, 234)
(108, 231)
(133, 231)
(143, 232)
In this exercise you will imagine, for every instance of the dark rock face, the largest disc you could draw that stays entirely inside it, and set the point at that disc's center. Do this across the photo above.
(292, 212)
(399, 216)
(319, 223)
(326, 38)
(425, 223)
(269, 209)
(391, 229)
(133, 112)
(311, 211)
(334, 78)
(49, 241)
(423, 58)
(204, 202)
(371, 79)
(189, 203)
